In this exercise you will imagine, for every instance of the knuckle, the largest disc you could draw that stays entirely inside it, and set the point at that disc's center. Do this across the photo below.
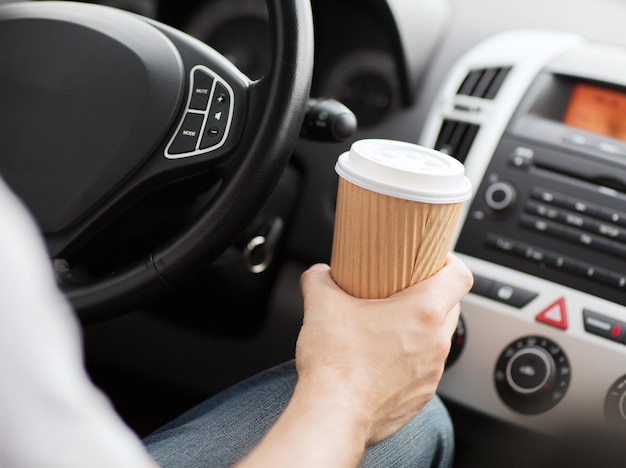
(434, 312)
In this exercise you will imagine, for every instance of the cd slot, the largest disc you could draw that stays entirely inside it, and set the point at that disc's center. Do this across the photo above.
(584, 171)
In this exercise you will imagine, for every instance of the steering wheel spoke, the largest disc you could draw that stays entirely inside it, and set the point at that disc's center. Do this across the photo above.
(114, 126)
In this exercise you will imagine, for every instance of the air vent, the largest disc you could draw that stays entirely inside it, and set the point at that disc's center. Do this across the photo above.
(456, 138)
(484, 83)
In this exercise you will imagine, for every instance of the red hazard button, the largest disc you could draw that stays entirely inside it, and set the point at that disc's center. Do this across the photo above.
(555, 315)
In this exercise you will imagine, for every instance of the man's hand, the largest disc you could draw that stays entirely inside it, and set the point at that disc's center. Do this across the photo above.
(385, 357)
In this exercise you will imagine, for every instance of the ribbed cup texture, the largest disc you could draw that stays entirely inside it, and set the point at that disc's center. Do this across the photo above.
(383, 244)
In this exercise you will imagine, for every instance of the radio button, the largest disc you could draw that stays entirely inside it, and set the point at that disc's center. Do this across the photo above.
(534, 223)
(589, 240)
(556, 260)
(619, 249)
(609, 230)
(500, 196)
(501, 292)
(539, 209)
(572, 219)
(610, 278)
(481, 286)
(614, 216)
(533, 253)
(511, 295)
(542, 225)
(500, 243)
(588, 270)
(578, 205)
(522, 157)
(595, 211)
(564, 263)
(548, 196)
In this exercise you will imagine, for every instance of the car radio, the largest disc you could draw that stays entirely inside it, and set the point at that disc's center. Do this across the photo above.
(539, 119)
(552, 201)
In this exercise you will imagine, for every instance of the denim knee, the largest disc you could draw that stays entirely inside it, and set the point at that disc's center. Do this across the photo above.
(427, 440)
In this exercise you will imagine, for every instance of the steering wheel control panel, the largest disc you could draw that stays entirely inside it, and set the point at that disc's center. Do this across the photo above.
(545, 233)
(207, 119)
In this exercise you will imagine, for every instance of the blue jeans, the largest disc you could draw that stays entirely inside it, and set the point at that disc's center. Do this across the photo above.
(223, 429)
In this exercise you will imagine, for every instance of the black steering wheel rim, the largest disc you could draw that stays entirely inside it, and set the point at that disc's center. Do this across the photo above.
(276, 109)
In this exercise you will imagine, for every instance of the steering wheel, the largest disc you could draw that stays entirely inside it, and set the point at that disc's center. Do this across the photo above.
(101, 110)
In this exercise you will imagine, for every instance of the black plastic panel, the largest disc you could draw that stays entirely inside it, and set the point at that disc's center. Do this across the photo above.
(559, 227)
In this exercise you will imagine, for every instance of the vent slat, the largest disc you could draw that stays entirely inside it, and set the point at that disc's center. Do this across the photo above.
(467, 140)
(497, 82)
(468, 85)
(445, 135)
(484, 83)
(456, 138)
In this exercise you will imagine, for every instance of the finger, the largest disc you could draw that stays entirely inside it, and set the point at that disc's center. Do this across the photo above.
(316, 274)
(448, 285)
(317, 283)
(454, 278)
(467, 278)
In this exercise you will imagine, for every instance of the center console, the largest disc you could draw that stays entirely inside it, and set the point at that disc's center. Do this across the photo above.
(539, 119)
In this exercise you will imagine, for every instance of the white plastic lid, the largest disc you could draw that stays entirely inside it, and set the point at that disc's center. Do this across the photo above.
(404, 170)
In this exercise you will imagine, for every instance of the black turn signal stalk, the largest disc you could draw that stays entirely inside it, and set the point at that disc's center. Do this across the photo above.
(328, 120)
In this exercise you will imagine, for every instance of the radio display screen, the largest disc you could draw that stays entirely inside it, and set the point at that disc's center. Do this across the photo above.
(597, 110)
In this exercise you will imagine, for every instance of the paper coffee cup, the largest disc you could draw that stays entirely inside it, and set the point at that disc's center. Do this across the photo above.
(397, 208)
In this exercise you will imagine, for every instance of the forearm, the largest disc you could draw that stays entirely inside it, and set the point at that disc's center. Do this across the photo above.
(317, 428)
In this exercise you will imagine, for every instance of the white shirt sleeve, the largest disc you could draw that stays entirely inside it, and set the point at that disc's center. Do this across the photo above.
(51, 415)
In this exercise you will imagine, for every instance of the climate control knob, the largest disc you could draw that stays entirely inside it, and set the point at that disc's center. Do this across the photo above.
(532, 375)
(615, 403)
(529, 369)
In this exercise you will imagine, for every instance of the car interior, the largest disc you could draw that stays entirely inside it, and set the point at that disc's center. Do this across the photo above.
(182, 173)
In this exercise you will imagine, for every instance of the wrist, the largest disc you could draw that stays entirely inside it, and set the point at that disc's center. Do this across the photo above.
(336, 415)
(337, 400)
(321, 426)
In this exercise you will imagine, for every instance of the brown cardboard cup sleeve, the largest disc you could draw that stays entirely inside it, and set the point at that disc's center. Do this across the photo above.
(398, 205)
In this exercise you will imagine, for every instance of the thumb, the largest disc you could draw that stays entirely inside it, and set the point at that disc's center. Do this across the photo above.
(318, 286)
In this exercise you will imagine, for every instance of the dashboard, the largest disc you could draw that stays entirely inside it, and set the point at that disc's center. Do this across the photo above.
(538, 118)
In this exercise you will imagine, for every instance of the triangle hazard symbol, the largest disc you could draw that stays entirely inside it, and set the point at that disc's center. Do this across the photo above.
(555, 314)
